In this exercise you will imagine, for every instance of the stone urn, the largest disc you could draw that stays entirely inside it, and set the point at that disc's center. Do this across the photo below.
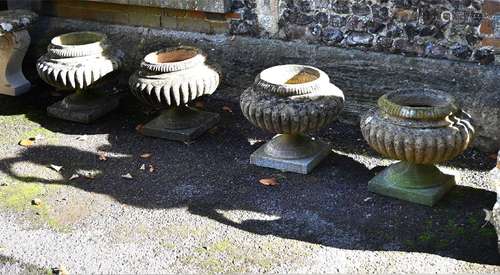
(80, 62)
(14, 42)
(420, 127)
(291, 100)
(168, 80)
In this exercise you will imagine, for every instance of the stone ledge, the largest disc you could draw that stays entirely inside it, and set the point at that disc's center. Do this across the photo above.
(215, 6)
(363, 76)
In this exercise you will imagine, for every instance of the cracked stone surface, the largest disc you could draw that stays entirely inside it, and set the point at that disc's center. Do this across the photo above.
(202, 209)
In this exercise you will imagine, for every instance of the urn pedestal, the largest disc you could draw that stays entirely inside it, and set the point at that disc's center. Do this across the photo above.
(80, 61)
(168, 80)
(291, 100)
(420, 127)
(14, 42)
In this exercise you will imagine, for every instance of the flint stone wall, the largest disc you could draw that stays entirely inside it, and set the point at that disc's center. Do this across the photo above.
(427, 28)
(362, 75)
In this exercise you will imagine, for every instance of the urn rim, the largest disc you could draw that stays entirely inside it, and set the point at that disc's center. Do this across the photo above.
(292, 79)
(78, 39)
(78, 44)
(418, 104)
(173, 59)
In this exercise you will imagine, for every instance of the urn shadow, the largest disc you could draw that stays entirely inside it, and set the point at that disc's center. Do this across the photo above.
(213, 178)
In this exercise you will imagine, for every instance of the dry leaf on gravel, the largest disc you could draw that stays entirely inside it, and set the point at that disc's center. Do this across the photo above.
(151, 168)
(268, 182)
(36, 201)
(227, 109)
(199, 104)
(27, 142)
(143, 167)
(74, 176)
(140, 128)
(127, 176)
(56, 167)
(82, 138)
(89, 176)
(146, 155)
(103, 156)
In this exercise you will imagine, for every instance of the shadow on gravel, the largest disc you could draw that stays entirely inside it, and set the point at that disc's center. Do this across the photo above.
(212, 178)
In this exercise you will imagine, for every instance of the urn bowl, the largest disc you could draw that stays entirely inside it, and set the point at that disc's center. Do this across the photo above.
(291, 99)
(420, 126)
(78, 60)
(173, 77)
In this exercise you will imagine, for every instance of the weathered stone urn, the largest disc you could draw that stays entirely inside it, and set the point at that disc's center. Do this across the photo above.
(420, 127)
(14, 42)
(80, 62)
(168, 80)
(291, 100)
(495, 213)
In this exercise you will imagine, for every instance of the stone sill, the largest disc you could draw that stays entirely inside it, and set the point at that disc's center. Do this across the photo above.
(213, 6)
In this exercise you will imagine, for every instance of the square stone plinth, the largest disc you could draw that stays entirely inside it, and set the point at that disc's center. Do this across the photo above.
(154, 128)
(83, 113)
(426, 196)
(301, 166)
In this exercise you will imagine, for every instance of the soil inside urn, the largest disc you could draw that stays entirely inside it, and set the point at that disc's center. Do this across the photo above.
(302, 77)
(289, 74)
(416, 100)
(174, 56)
(77, 38)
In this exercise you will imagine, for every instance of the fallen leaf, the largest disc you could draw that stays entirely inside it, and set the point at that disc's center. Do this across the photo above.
(140, 128)
(233, 37)
(89, 176)
(56, 167)
(74, 176)
(103, 156)
(189, 142)
(151, 168)
(127, 176)
(213, 130)
(143, 167)
(36, 201)
(199, 104)
(146, 155)
(268, 182)
(227, 109)
(27, 142)
(367, 199)
(61, 270)
(254, 141)
(82, 138)
(488, 217)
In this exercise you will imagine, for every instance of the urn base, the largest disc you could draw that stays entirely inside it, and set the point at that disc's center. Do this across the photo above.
(181, 125)
(83, 107)
(422, 184)
(298, 154)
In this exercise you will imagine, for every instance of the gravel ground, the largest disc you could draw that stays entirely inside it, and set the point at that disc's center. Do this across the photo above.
(202, 208)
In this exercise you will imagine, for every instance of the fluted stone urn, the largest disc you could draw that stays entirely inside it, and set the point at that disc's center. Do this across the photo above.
(80, 62)
(420, 127)
(168, 80)
(14, 42)
(291, 100)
